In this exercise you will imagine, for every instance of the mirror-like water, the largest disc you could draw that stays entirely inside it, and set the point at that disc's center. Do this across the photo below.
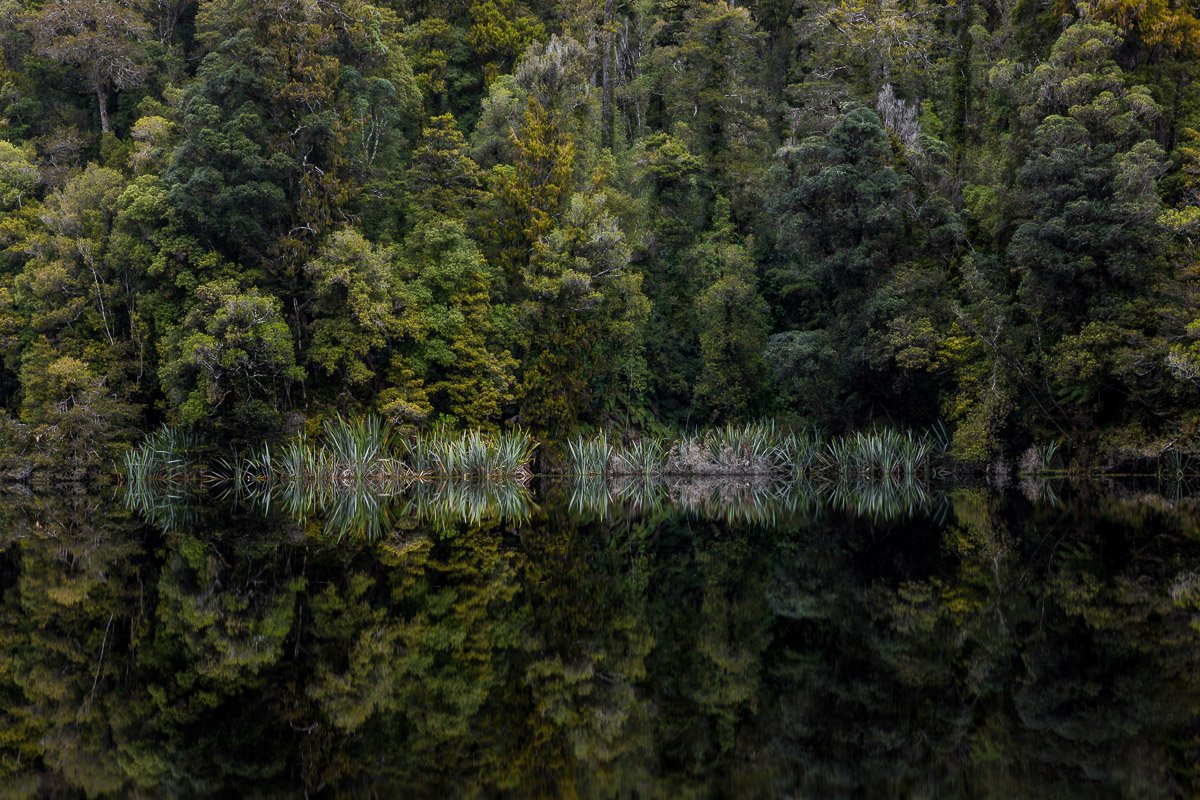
(571, 640)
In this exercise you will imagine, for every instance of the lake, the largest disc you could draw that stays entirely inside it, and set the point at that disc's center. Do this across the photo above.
(567, 639)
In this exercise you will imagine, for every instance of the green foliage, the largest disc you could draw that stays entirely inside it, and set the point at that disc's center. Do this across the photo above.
(500, 32)
(233, 360)
(455, 339)
(443, 179)
(356, 308)
(732, 318)
(640, 215)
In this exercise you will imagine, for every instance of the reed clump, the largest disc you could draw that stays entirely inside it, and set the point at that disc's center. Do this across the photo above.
(760, 450)
(347, 454)
(357, 476)
(165, 456)
(365, 451)
(162, 476)
(474, 454)
(1040, 459)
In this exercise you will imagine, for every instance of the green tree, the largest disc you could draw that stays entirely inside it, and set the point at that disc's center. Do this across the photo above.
(356, 308)
(232, 362)
(732, 319)
(456, 341)
(77, 423)
(584, 315)
(443, 179)
(1155, 23)
(1086, 243)
(1088, 196)
(840, 218)
(101, 38)
(18, 176)
(228, 180)
(75, 287)
(500, 32)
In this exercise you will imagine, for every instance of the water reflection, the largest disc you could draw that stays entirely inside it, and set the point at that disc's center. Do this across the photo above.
(373, 509)
(1005, 647)
(355, 510)
(761, 501)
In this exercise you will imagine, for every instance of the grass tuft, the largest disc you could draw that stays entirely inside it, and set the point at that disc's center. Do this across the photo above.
(763, 449)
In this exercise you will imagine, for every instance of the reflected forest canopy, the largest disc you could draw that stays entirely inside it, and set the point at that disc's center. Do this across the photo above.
(996, 646)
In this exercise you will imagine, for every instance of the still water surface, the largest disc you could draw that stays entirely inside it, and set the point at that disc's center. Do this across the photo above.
(567, 640)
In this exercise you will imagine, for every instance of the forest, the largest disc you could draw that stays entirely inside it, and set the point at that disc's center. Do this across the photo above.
(661, 657)
(242, 217)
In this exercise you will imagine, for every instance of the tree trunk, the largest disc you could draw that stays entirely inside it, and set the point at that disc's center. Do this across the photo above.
(102, 100)
(606, 72)
(963, 87)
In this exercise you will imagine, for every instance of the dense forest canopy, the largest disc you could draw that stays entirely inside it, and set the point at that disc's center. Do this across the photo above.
(241, 215)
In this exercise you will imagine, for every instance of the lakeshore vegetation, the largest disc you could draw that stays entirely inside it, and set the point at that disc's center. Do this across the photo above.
(360, 475)
(537, 220)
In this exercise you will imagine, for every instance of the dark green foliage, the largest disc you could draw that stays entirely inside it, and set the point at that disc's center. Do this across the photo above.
(844, 224)
(840, 208)
(732, 319)
(229, 185)
(1087, 247)
(995, 648)
(564, 214)
(232, 361)
(355, 308)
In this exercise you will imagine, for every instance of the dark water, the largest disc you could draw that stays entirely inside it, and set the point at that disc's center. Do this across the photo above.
(687, 643)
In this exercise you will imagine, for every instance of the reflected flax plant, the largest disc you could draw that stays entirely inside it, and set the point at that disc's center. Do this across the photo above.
(357, 476)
